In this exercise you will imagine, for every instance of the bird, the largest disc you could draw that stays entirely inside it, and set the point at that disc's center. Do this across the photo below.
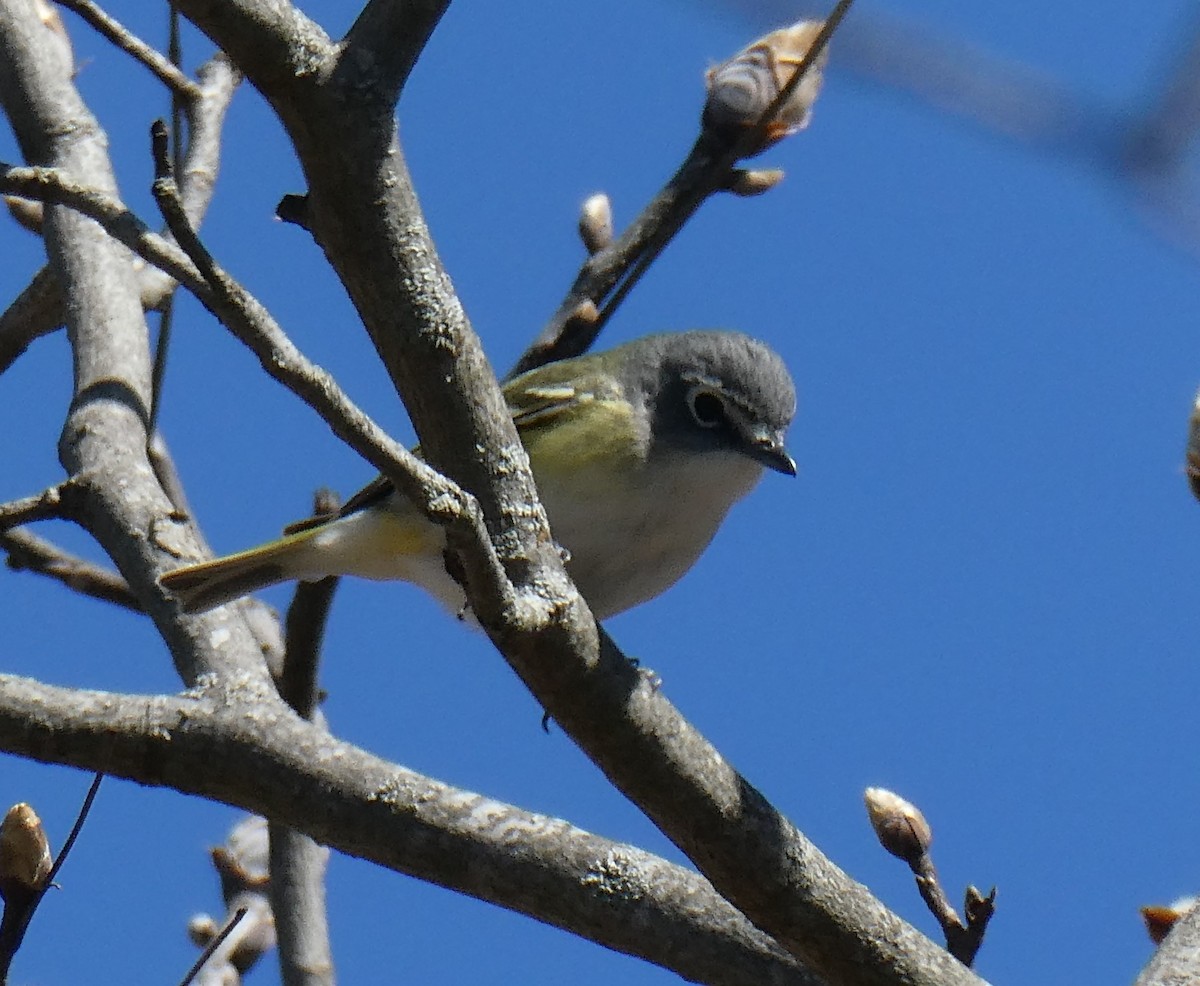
(638, 454)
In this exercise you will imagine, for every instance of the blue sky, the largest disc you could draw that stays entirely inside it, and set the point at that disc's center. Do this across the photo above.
(980, 591)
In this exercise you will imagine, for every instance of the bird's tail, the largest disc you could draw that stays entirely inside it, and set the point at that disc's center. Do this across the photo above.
(390, 540)
(214, 583)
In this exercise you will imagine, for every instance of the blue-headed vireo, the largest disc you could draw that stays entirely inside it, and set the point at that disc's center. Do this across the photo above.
(638, 454)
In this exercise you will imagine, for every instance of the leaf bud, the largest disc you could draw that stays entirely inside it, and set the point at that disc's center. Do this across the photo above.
(746, 183)
(596, 223)
(898, 824)
(742, 89)
(24, 853)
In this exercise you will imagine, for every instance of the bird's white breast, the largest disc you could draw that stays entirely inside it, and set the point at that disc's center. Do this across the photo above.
(631, 542)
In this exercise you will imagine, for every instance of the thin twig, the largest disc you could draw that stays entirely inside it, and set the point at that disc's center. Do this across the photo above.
(305, 628)
(49, 185)
(35, 312)
(903, 831)
(16, 927)
(963, 938)
(156, 449)
(29, 553)
(84, 809)
(608, 276)
(131, 44)
(298, 863)
(167, 311)
(166, 194)
(213, 945)
(38, 310)
(442, 500)
(161, 347)
(165, 472)
(46, 505)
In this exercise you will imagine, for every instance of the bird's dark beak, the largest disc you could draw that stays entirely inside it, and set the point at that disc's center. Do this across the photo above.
(767, 447)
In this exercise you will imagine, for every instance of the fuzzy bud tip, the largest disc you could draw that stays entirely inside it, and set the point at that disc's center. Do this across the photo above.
(24, 852)
(741, 90)
(596, 223)
(898, 824)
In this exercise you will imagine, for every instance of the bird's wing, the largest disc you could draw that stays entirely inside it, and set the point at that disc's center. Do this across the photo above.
(534, 402)
(540, 396)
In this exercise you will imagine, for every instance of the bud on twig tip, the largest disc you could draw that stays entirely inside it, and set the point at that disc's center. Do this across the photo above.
(585, 313)
(898, 824)
(24, 852)
(596, 223)
(201, 929)
(741, 90)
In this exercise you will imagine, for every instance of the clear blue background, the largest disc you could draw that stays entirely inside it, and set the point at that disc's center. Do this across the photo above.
(980, 592)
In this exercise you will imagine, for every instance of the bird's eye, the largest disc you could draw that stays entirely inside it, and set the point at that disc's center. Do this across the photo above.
(707, 408)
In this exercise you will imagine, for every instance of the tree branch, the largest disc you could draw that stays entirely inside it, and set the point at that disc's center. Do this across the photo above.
(1144, 147)
(216, 82)
(116, 32)
(241, 748)
(384, 43)
(27, 552)
(42, 506)
(297, 863)
(38, 310)
(363, 212)
(609, 274)
(35, 312)
(443, 500)
(242, 867)
(103, 446)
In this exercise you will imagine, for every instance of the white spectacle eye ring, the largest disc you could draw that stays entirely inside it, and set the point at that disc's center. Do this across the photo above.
(707, 407)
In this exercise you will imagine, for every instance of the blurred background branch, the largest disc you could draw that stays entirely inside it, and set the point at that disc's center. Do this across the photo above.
(1142, 144)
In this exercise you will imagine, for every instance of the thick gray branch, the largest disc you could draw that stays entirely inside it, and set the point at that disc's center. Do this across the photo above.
(243, 747)
(364, 213)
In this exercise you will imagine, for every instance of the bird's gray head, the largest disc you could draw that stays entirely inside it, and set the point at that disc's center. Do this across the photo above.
(716, 391)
